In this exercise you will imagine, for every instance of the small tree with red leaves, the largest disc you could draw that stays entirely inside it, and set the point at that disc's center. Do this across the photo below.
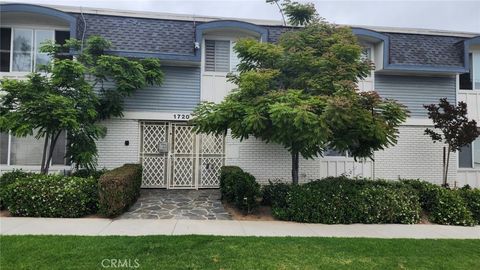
(456, 129)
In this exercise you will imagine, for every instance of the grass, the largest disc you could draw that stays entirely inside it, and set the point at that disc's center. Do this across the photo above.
(214, 252)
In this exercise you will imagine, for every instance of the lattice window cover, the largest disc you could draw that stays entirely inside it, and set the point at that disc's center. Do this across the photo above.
(212, 144)
(210, 171)
(153, 173)
(152, 135)
(183, 140)
(183, 172)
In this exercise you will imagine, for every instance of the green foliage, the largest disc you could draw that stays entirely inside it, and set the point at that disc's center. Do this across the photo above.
(84, 173)
(301, 93)
(63, 99)
(118, 189)
(239, 187)
(52, 196)
(471, 197)
(443, 205)
(8, 178)
(275, 194)
(344, 201)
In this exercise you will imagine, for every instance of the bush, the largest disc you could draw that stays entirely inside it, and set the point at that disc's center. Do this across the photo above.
(118, 189)
(450, 209)
(471, 197)
(7, 179)
(52, 196)
(84, 173)
(442, 205)
(344, 201)
(275, 194)
(239, 187)
(228, 175)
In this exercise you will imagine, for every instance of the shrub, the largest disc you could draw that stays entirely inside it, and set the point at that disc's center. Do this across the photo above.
(471, 197)
(52, 196)
(228, 175)
(442, 205)
(7, 179)
(450, 209)
(84, 173)
(118, 189)
(275, 194)
(342, 200)
(239, 187)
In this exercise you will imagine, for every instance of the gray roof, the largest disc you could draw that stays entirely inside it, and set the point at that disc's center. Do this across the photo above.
(177, 37)
(415, 49)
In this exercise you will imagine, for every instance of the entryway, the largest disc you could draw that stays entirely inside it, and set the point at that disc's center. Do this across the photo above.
(202, 204)
(174, 157)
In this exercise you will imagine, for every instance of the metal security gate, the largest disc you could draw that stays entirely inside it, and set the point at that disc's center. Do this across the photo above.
(174, 157)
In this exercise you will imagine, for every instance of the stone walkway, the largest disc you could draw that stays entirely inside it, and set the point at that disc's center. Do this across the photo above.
(178, 204)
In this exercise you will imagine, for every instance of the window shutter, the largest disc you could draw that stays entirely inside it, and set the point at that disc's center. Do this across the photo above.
(217, 55)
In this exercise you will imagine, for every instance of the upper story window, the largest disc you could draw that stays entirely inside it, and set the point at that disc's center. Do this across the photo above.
(220, 56)
(20, 47)
(366, 54)
(471, 80)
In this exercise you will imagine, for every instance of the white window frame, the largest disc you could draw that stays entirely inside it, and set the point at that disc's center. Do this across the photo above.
(204, 55)
(9, 153)
(475, 55)
(34, 49)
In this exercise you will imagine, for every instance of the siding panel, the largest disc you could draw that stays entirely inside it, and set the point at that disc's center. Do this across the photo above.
(179, 92)
(415, 91)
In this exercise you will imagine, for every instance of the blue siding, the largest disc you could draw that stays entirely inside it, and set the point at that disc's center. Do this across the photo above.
(414, 91)
(180, 92)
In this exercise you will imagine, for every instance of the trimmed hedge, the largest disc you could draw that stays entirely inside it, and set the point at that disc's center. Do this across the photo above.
(41, 195)
(443, 206)
(344, 201)
(471, 197)
(7, 179)
(239, 187)
(118, 189)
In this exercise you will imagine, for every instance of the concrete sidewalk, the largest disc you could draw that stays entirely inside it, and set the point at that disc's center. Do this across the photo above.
(133, 227)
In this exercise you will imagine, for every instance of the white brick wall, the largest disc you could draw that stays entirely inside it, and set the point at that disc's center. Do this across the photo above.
(414, 156)
(273, 162)
(112, 151)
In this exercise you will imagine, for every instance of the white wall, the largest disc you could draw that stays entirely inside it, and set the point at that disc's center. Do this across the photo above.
(415, 156)
(272, 162)
(112, 151)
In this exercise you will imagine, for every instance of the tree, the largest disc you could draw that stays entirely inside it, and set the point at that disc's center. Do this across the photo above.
(301, 93)
(68, 95)
(456, 129)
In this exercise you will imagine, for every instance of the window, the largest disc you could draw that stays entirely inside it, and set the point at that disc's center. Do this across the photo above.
(469, 156)
(28, 150)
(471, 80)
(366, 54)
(334, 153)
(20, 48)
(220, 56)
(5, 43)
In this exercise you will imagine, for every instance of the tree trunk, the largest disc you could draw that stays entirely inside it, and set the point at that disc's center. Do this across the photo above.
(445, 179)
(44, 155)
(50, 152)
(295, 168)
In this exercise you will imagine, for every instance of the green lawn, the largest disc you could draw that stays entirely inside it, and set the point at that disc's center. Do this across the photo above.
(213, 252)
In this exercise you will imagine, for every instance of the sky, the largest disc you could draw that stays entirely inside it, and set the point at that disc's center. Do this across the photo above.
(443, 15)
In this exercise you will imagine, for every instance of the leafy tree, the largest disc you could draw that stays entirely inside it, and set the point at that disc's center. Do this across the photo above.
(301, 93)
(456, 129)
(69, 96)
